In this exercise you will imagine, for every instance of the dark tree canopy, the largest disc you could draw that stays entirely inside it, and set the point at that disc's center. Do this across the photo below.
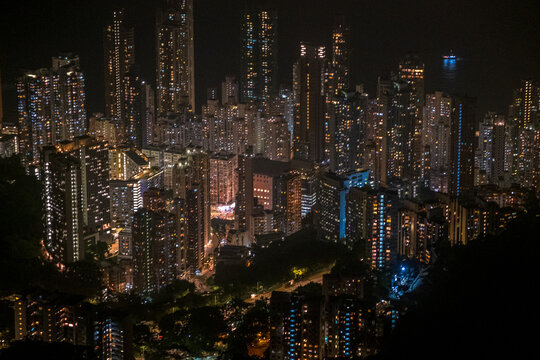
(478, 302)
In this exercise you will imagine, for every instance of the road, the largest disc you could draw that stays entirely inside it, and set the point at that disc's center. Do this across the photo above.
(316, 278)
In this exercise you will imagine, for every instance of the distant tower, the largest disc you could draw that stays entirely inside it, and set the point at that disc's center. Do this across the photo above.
(119, 58)
(175, 57)
(229, 91)
(341, 57)
(308, 138)
(259, 53)
(526, 134)
(462, 144)
(411, 74)
(436, 138)
(191, 188)
(51, 106)
(148, 113)
(63, 211)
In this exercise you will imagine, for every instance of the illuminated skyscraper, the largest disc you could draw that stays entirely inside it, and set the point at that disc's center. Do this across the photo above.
(372, 216)
(331, 208)
(375, 131)
(133, 114)
(223, 180)
(462, 144)
(244, 196)
(309, 118)
(154, 250)
(119, 58)
(490, 150)
(418, 229)
(259, 55)
(109, 338)
(148, 113)
(63, 210)
(126, 199)
(343, 318)
(191, 189)
(300, 323)
(401, 121)
(341, 58)
(498, 155)
(93, 157)
(436, 138)
(76, 195)
(347, 116)
(526, 134)
(277, 140)
(411, 73)
(229, 91)
(51, 106)
(175, 83)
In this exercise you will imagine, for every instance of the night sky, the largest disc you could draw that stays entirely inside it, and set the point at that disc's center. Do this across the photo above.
(498, 40)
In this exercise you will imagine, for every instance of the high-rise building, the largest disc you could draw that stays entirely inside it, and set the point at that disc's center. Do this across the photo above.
(468, 219)
(93, 157)
(223, 182)
(376, 136)
(154, 250)
(63, 209)
(9, 145)
(109, 337)
(126, 163)
(42, 318)
(277, 189)
(76, 196)
(119, 48)
(148, 114)
(277, 139)
(347, 116)
(401, 122)
(343, 317)
(490, 150)
(436, 138)
(372, 217)
(126, 199)
(309, 118)
(175, 83)
(229, 91)
(103, 129)
(462, 144)
(418, 229)
(331, 213)
(411, 72)
(133, 114)
(244, 197)
(341, 58)
(191, 190)
(295, 327)
(499, 146)
(523, 113)
(259, 81)
(51, 106)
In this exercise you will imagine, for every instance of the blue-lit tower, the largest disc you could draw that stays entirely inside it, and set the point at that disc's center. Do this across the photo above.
(462, 143)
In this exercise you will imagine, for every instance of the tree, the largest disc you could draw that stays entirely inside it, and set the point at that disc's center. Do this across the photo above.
(21, 217)
(203, 329)
(476, 302)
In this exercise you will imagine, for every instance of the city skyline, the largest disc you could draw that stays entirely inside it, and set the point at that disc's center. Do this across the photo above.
(512, 41)
(268, 180)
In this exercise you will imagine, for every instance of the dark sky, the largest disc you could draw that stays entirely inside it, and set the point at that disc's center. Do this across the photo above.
(499, 40)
